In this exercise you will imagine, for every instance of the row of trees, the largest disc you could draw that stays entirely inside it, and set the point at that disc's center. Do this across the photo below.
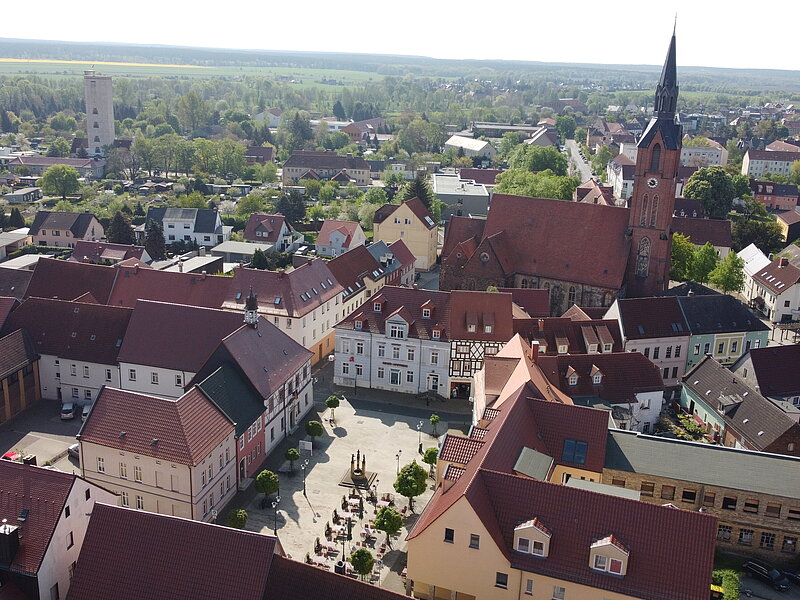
(704, 265)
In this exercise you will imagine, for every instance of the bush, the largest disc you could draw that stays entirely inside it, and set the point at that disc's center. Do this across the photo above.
(729, 580)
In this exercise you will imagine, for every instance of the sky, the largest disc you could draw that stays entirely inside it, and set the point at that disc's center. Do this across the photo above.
(711, 33)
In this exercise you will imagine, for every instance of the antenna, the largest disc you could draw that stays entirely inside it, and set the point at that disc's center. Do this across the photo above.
(675, 25)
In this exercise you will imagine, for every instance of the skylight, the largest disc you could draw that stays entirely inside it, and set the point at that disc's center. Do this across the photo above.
(277, 301)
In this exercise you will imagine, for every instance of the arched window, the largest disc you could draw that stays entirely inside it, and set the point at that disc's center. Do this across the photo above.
(572, 294)
(654, 211)
(655, 158)
(643, 215)
(524, 283)
(643, 258)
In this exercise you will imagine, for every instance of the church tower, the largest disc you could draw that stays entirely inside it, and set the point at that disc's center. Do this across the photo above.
(653, 198)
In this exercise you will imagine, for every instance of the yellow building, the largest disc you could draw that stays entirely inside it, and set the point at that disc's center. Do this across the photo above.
(502, 525)
(412, 223)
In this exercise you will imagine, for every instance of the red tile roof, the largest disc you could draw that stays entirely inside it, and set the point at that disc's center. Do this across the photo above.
(346, 228)
(184, 430)
(96, 252)
(534, 302)
(458, 449)
(773, 155)
(716, 231)
(458, 230)
(402, 253)
(790, 217)
(551, 332)
(43, 492)
(67, 280)
(7, 304)
(325, 160)
(481, 309)
(778, 277)
(175, 336)
(134, 283)
(73, 330)
(350, 269)
(270, 225)
(415, 205)
(775, 369)
(130, 555)
(484, 176)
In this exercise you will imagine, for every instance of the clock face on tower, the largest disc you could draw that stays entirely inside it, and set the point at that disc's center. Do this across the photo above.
(652, 183)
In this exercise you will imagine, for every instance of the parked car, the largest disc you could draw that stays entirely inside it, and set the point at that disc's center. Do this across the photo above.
(85, 411)
(767, 574)
(792, 576)
(67, 410)
(74, 450)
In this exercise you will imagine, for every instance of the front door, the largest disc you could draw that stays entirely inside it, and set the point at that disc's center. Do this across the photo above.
(433, 382)
(242, 471)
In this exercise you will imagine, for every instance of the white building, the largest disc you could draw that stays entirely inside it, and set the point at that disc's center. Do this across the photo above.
(754, 261)
(776, 291)
(99, 96)
(460, 197)
(470, 146)
(757, 162)
(202, 226)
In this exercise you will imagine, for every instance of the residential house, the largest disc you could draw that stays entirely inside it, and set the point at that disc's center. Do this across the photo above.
(470, 147)
(775, 196)
(240, 252)
(78, 344)
(64, 228)
(754, 261)
(271, 117)
(789, 222)
(261, 379)
(736, 415)
(460, 196)
(716, 232)
(11, 241)
(758, 514)
(757, 162)
(773, 372)
(396, 260)
(67, 280)
(501, 522)
(303, 302)
(776, 291)
(167, 344)
(657, 329)
(496, 130)
(573, 333)
(105, 253)
(259, 155)
(202, 226)
(788, 145)
(19, 374)
(619, 175)
(325, 166)
(36, 165)
(592, 192)
(398, 340)
(361, 132)
(174, 456)
(132, 554)
(544, 136)
(44, 521)
(337, 237)
(709, 153)
(272, 229)
(23, 195)
(413, 223)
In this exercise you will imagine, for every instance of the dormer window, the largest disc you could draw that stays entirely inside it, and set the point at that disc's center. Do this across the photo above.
(377, 307)
(573, 379)
(487, 329)
(436, 334)
(426, 313)
(597, 378)
(471, 328)
(562, 349)
(609, 555)
(357, 325)
(532, 537)
(606, 347)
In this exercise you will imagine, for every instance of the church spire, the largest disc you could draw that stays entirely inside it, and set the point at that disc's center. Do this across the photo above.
(667, 89)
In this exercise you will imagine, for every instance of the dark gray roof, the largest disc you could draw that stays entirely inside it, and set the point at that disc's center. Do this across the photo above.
(683, 289)
(533, 464)
(671, 132)
(706, 464)
(205, 219)
(77, 223)
(718, 314)
(233, 396)
(379, 249)
(14, 282)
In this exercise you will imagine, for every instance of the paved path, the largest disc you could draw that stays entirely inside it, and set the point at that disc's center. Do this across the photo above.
(583, 169)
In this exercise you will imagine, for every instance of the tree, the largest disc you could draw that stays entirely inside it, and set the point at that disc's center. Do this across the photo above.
(268, 172)
(193, 111)
(259, 260)
(536, 185)
(154, 243)
(231, 158)
(314, 429)
(292, 455)
(376, 195)
(508, 142)
(703, 262)
(252, 203)
(338, 111)
(16, 220)
(59, 180)
(59, 147)
(728, 275)
(362, 561)
(682, 255)
(292, 206)
(237, 518)
(430, 457)
(794, 172)
(389, 521)
(566, 126)
(332, 402)
(411, 482)
(767, 235)
(120, 230)
(311, 187)
(538, 158)
(741, 186)
(434, 419)
(267, 483)
(417, 188)
(713, 188)
(600, 160)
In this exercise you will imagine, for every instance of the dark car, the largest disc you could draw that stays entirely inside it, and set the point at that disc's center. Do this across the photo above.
(792, 576)
(767, 574)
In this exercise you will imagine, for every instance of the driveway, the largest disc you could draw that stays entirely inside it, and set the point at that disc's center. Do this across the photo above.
(759, 589)
(40, 431)
(577, 164)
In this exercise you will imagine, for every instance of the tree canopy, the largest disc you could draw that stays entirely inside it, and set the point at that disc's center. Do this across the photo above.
(237, 518)
(728, 275)
(411, 482)
(154, 242)
(120, 230)
(713, 188)
(536, 185)
(389, 521)
(538, 158)
(59, 180)
(417, 188)
(362, 561)
(266, 482)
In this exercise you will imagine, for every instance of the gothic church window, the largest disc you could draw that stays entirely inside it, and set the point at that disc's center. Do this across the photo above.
(655, 158)
(654, 211)
(643, 258)
(643, 216)
(572, 294)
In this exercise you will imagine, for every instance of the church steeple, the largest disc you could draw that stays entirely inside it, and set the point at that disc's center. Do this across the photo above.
(667, 88)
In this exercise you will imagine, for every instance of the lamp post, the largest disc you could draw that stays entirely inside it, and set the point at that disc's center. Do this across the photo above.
(419, 435)
(397, 456)
(303, 467)
(275, 515)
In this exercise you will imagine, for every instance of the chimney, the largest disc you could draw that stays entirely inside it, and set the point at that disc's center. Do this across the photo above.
(690, 293)
(136, 268)
(203, 275)
(534, 355)
(415, 286)
(540, 323)
(9, 542)
(782, 262)
(281, 273)
(202, 251)
(180, 266)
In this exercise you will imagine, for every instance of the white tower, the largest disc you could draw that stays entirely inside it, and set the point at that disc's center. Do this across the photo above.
(99, 112)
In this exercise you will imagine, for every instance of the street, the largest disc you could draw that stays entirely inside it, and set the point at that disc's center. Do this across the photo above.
(580, 166)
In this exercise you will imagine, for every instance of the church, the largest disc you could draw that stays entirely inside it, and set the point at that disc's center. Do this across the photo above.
(585, 254)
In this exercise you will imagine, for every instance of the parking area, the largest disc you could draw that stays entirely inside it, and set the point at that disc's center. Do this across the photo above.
(41, 432)
(759, 589)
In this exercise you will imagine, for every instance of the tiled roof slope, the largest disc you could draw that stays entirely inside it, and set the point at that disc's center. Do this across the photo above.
(778, 276)
(14, 282)
(325, 160)
(134, 283)
(73, 330)
(644, 318)
(175, 336)
(350, 268)
(67, 280)
(459, 229)
(347, 228)
(97, 251)
(234, 396)
(7, 304)
(130, 555)
(715, 231)
(16, 351)
(266, 223)
(77, 223)
(414, 204)
(551, 332)
(184, 430)
(718, 314)
(776, 369)
(43, 492)
(482, 309)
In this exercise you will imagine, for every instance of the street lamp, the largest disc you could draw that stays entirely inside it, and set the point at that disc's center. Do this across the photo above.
(397, 456)
(419, 435)
(275, 514)
(303, 467)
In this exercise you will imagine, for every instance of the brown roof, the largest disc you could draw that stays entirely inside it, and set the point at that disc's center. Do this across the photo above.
(297, 292)
(459, 449)
(775, 369)
(790, 217)
(716, 231)
(47, 161)
(534, 302)
(175, 336)
(480, 309)
(325, 160)
(7, 304)
(85, 251)
(415, 205)
(270, 225)
(409, 303)
(688, 207)
(43, 492)
(16, 351)
(14, 282)
(624, 375)
(781, 146)
(67, 280)
(402, 253)
(644, 318)
(350, 268)
(74, 330)
(347, 228)
(182, 431)
(459, 229)
(772, 155)
(130, 555)
(136, 283)
(576, 334)
(778, 277)
(484, 176)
